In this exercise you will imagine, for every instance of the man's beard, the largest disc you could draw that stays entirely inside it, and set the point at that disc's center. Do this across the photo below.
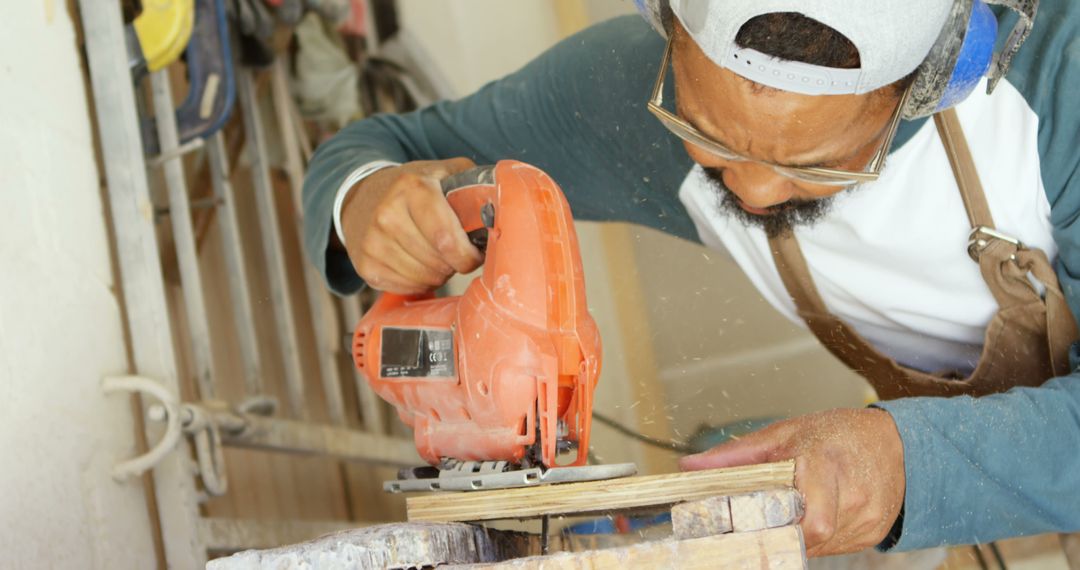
(781, 218)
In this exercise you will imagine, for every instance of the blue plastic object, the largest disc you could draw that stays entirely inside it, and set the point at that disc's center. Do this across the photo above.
(212, 85)
(976, 54)
(607, 525)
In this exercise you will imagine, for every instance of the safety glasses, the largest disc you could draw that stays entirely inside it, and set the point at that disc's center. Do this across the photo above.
(809, 174)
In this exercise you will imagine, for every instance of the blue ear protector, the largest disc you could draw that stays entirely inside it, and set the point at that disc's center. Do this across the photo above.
(957, 62)
(961, 57)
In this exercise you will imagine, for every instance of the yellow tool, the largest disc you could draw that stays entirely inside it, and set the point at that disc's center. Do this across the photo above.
(160, 33)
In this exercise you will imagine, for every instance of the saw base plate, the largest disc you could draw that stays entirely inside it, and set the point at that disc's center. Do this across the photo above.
(482, 476)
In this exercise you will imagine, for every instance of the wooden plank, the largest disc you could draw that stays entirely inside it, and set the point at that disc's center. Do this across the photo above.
(599, 496)
(774, 549)
(410, 545)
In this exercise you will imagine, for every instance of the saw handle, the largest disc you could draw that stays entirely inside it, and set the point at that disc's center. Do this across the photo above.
(471, 193)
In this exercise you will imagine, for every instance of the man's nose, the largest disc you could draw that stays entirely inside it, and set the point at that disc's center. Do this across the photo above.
(757, 185)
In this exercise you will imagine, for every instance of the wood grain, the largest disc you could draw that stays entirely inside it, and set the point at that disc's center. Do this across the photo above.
(599, 496)
(773, 549)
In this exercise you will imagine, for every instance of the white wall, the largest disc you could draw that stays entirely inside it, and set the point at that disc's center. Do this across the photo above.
(60, 326)
(475, 41)
(472, 42)
(722, 352)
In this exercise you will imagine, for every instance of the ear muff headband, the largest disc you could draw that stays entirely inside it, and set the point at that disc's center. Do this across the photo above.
(949, 73)
(974, 59)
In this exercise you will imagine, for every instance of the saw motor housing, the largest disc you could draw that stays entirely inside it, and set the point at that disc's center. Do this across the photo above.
(511, 363)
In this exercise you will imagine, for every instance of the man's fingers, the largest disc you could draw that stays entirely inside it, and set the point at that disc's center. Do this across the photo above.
(384, 263)
(412, 240)
(755, 448)
(460, 164)
(411, 269)
(441, 228)
(383, 278)
(399, 231)
(442, 168)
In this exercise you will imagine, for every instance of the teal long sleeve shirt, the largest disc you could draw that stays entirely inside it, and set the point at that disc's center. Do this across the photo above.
(977, 469)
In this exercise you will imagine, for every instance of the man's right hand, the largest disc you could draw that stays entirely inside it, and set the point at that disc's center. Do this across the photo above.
(401, 234)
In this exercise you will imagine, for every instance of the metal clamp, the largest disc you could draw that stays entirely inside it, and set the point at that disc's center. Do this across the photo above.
(201, 425)
(179, 419)
(170, 411)
(204, 431)
(981, 237)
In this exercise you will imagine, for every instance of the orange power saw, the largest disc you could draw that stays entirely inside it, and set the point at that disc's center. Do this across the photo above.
(498, 381)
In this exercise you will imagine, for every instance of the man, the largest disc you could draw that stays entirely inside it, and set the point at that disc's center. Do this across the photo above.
(788, 179)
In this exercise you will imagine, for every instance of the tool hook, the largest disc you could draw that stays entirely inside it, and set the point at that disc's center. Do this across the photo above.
(136, 466)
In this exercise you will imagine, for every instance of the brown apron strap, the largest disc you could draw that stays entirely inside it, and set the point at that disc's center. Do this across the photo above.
(1027, 341)
(963, 167)
(795, 274)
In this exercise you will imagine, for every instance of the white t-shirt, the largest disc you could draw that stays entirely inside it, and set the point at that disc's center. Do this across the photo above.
(890, 258)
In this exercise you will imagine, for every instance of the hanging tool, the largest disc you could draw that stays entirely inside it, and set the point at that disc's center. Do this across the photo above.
(255, 30)
(495, 382)
(211, 82)
(158, 35)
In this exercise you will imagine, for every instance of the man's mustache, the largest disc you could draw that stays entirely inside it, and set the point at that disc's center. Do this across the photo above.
(779, 219)
(716, 175)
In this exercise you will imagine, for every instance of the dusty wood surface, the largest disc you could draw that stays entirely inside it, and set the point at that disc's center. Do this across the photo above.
(765, 509)
(778, 548)
(701, 518)
(599, 496)
(408, 545)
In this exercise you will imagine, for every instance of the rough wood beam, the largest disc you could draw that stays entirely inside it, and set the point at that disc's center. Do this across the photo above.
(410, 545)
(231, 535)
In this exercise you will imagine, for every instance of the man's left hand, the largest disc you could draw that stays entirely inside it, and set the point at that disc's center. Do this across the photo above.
(849, 466)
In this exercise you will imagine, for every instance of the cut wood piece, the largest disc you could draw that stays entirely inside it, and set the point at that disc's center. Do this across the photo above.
(704, 517)
(765, 509)
(775, 549)
(599, 496)
(410, 545)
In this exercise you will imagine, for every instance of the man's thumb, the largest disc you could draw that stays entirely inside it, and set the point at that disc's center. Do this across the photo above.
(453, 166)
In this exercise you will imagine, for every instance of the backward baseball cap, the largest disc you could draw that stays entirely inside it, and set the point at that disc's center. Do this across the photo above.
(893, 38)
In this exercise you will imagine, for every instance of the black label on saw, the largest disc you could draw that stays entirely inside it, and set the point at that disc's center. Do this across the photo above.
(417, 353)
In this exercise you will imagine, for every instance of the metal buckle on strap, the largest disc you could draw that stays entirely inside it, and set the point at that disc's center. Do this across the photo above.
(981, 236)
